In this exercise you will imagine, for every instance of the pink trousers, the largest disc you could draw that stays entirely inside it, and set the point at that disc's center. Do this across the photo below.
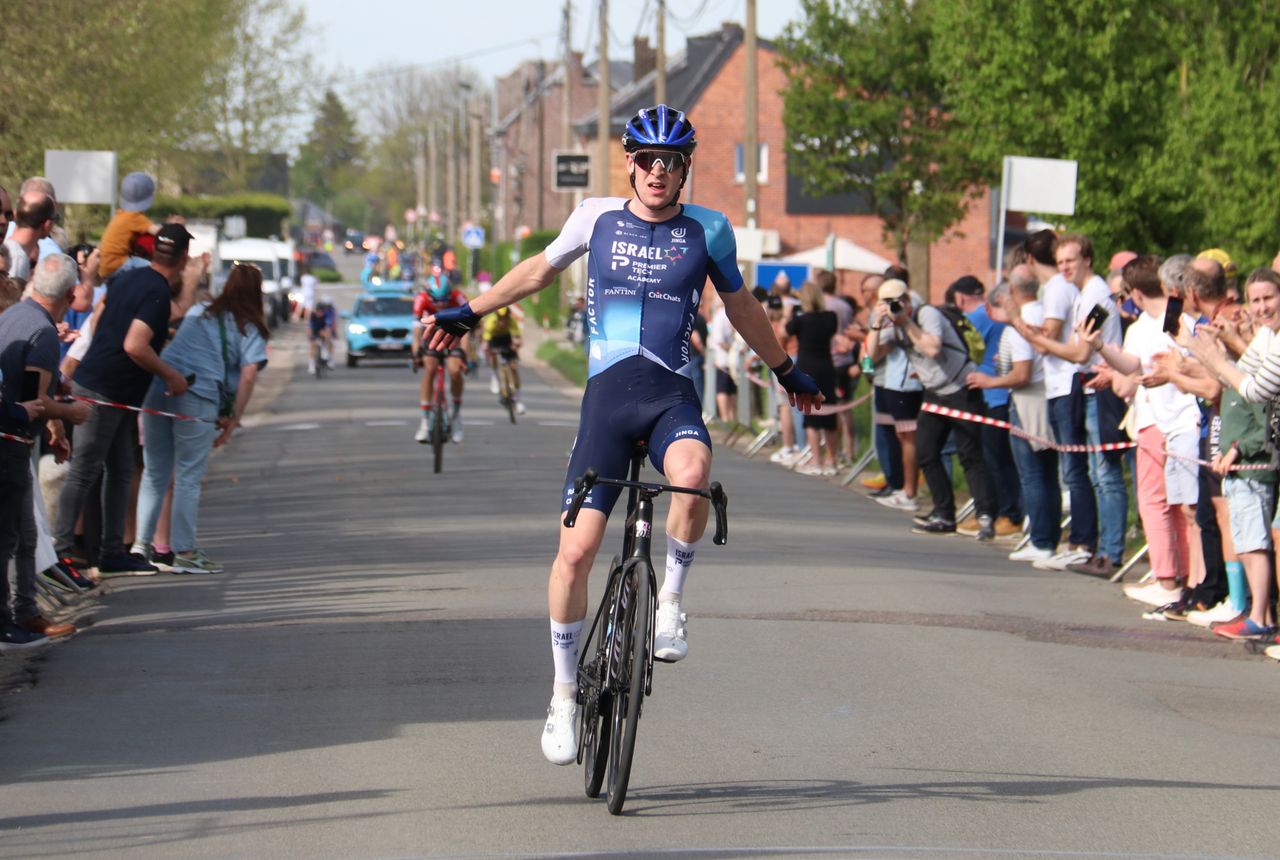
(1166, 526)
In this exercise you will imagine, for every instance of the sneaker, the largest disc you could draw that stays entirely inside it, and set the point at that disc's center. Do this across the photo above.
(457, 432)
(494, 386)
(520, 410)
(16, 638)
(424, 431)
(1224, 611)
(875, 482)
(311, 368)
(899, 501)
(1007, 528)
(669, 644)
(986, 529)
(924, 519)
(163, 561)
(1098, 565)
(1245, 628)
(73, 573)
(936, 526)
(1153, 593)
(44, 627)
(1070, 555)
(883, 492)
(1178, 611)
(828, 471)
(809, 469)
(1272, 651)
(782, 455)
(125, 564)
(194, 562)
(1031, 553)
(54, 576)
(560, 734)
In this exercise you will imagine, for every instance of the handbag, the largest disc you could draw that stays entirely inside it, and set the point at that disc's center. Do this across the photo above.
(226, 397)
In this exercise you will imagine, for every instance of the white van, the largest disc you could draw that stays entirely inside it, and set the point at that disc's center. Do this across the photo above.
(266, 255)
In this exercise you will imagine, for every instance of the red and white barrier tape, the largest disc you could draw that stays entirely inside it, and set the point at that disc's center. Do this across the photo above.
(948, 412)
(23, 439)
(142, 409)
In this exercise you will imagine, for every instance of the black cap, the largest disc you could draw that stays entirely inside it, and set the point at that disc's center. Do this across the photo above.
(172, 241)
(968, 284)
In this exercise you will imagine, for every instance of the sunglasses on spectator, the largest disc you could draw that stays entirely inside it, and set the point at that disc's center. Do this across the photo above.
(671, 161)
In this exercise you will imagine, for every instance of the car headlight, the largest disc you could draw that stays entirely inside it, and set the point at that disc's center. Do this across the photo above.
(357, 328)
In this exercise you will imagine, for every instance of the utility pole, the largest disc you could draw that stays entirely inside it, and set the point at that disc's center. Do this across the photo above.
(476, 131)
(451, 180)
(750, 141)
(660, 82)
(566, 130)
(602, 106)
(542, 146)
(433, 167)
(420, 180)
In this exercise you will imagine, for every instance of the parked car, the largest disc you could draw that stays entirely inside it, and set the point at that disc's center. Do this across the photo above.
(354, 242)
(315, 258)
(272, 258)
(378, 325)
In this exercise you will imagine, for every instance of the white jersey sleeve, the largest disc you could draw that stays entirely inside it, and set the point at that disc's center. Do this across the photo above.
(575, 236)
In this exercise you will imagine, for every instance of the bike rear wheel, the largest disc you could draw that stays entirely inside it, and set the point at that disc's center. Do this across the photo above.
(637, 625)
(508, 391)
(438, 431)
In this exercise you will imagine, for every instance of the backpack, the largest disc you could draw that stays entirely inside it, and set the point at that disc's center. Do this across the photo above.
(975, 346)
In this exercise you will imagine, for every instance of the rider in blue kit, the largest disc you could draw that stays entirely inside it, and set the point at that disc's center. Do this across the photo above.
(650, 260)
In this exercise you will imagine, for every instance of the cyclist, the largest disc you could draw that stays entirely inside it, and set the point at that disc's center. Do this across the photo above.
(322, 328)
(650, 258)
(501, 335)
(437, 295)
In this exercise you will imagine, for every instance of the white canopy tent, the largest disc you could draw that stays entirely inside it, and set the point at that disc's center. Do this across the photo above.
(848, 255)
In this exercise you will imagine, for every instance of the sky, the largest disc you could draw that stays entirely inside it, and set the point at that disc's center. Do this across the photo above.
(494, 36)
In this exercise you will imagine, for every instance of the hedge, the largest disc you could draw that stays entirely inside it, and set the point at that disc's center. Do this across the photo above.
(263, 213)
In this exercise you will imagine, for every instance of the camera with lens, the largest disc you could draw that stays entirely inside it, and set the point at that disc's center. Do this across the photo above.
(895, 307)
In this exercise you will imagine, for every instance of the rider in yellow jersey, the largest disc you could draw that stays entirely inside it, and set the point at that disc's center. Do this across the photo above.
(501, 335)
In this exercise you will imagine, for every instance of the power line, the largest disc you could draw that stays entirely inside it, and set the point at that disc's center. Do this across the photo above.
(644, 13)
(445, 62)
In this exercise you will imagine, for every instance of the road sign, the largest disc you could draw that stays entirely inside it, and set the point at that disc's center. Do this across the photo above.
(573, 171)
(473, 237)
(82, 176)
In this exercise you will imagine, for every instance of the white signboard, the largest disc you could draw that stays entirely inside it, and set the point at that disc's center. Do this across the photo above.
(1043, 185)
(472, 237)
(82, 176)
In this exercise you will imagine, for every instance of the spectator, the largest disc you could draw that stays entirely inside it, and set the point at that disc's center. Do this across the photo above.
(32, 222)
(1168, 423)
(789, 418)
(1115, 282)
(121, 360)
(896, 403)
(967, 295)
(223, 344)
(940, 359)
(307, 283)
(6, 213)
(29, 360)
(842, 359)
(813, 328)
(725, 355)
(1020, 368)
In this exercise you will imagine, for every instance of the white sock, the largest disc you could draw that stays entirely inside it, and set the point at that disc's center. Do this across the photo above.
(564, 651)
(679, 558)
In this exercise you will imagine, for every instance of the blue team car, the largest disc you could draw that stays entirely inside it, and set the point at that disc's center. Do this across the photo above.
(379, 325)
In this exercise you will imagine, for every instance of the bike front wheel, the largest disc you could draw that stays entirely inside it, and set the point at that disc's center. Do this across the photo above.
(439, 428)
(637, 629)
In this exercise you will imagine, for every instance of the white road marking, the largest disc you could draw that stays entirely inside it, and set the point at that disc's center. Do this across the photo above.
(305, 426)
(395, 422)
(557, 423)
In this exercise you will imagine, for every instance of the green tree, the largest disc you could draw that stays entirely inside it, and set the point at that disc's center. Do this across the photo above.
(864, 113)
(330, 159)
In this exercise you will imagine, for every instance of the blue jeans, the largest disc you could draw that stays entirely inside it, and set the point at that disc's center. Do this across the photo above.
(1041, 496)
(1002, 473)
(698, 374)
(1106, 472)
(1069, 430)
(178, 451)
(103, 448)
(889, 454)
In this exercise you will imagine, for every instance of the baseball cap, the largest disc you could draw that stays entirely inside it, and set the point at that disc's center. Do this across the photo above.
(137, 192)
(891, 289)
(1222, 258)
(173, 240)
(968, 285)
(1120, 259)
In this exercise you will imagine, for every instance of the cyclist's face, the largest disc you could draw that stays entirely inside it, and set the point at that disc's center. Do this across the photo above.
(657, 178)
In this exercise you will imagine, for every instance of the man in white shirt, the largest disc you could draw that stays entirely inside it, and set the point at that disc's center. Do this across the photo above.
(1168, 422)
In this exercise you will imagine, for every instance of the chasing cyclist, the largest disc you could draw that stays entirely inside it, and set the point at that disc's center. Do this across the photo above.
(650, 259)
(501, 335)
(322, 328)
(436, 296)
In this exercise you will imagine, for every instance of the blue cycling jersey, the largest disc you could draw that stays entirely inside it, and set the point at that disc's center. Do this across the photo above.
(644, 279)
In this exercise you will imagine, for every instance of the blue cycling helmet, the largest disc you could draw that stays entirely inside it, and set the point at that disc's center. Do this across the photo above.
(371, 259)
(438, 286)
(659, 127)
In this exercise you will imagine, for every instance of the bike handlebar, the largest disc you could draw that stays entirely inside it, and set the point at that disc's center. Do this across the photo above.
(716, 495)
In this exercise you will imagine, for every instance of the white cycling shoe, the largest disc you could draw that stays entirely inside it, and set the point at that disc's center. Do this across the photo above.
(669, 643)
(560, 734)
(424, 432)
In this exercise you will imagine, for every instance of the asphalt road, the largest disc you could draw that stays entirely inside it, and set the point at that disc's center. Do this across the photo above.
(368, 679)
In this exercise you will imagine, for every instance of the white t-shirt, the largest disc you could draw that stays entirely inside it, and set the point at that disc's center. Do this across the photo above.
(1058, 296)
(307, 286)
(1171, 410)
(1018, 348)
(19, 262)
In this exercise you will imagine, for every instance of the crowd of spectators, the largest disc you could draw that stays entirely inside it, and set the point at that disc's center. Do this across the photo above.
(1157, 382)
(91, 338)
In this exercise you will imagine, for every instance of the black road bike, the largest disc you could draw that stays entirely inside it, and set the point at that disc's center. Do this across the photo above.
(615, 670)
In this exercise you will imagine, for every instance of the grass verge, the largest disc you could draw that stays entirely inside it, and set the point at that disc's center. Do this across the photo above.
(571, 362)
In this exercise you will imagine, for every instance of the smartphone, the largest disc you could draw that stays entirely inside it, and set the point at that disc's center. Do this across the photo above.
(1173, 316)
(30, 386)
(1097, 317)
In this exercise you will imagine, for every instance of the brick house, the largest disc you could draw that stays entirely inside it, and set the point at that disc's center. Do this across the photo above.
(707, 81)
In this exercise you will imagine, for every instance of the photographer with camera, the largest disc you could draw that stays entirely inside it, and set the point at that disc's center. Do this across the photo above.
(940, 359)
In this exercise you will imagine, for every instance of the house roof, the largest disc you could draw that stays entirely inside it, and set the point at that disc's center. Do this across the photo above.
(688, 77)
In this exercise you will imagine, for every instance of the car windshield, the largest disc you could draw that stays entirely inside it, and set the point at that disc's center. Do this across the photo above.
(268, 267)
(384, 306)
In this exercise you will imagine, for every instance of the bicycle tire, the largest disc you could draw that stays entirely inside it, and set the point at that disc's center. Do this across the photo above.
(508, 392)
(597, 722)
(630, 694)
(438, 430)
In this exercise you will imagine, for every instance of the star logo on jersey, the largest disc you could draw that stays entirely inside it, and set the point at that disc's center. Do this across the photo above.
(674, 254)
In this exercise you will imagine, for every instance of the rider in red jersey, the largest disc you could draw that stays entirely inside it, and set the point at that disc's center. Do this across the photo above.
(437, 295)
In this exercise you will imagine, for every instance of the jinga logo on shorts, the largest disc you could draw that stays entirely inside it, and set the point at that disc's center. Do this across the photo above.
(686, 432)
